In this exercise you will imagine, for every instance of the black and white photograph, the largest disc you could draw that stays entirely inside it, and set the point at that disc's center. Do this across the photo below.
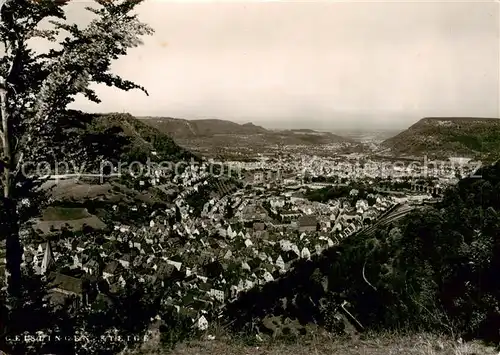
(195, 177)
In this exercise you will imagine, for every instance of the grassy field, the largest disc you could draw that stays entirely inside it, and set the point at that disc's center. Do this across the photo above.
(388, 344)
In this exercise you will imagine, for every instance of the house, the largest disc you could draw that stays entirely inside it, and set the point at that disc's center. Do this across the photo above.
(268, 277)
(361, 206)
(202, 323)
(228, 254)
(236, 289)
(325, 225)
(80, 246)
(259, 226)
(285, 244)
(245, 266)
(111, 269)
(305, 253)
(308, 223)
(262, 256)
(349, 218)
(91, 267)
(253, 212)
(280, 263)
(139, 261)
(27, 258)
(165, 270)
(337, 227)
(176, 264)
(64, 287)
(150, 239)
(76, 262)
(218, 294)
(289, 216)
(138, 242)
(248, 285)
(370, 215)
(258, 176)
(229, 232)
(125, 260)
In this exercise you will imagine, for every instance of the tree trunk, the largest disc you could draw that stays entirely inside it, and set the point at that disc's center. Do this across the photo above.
(13, 253)
(10, 226)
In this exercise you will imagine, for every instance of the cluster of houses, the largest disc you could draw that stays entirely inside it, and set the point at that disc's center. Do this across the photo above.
(211, 258)
(292, 170)
(203, 261)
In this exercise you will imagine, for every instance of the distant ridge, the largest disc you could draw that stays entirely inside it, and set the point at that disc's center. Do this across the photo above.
(91, 138)
(181, 128)
(215, 136)
(443, 137)
(461, 118)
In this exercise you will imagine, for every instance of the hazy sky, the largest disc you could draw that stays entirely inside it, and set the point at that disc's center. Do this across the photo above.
(329, 63)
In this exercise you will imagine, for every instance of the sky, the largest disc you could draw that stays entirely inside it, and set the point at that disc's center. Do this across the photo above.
(311, 64)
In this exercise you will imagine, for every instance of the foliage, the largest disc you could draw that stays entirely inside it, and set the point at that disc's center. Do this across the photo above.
(108, 328)
(435, 270)
(30, 314)
(35, 89)
(175, 329)
(328, 193)
(450, 136)
(142, 139)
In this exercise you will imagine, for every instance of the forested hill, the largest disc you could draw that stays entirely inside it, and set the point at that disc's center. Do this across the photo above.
(181, 128)
(214, 130)
(443, 137)
(436, 269)
(93, 138)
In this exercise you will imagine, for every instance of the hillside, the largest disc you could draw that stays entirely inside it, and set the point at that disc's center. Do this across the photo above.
(114, 137)
(221, 137)
(94, 144)
(443, 137)
(433, 269)
(179, 128)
